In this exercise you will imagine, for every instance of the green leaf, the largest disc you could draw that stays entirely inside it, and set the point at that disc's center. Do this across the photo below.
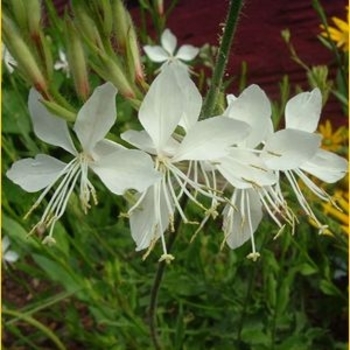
(71, 281)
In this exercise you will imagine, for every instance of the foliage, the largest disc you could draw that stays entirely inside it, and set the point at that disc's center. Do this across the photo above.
(92, 290)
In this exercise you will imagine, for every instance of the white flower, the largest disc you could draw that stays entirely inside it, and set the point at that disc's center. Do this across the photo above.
(8, 256)
(245, 170)
(166, 52)
(242, 217)
(173, 100)
(9, 61)
(118, 168)
(62, 63)
(296, 150)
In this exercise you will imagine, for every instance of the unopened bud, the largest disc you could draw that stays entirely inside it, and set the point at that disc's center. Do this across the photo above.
(114, 73)
(33, 8)
(160, 7)
(133, 54)
(87, 27)
(106, 18)
(27, 64)
(20, 14)
(76, 61)
(121, 23)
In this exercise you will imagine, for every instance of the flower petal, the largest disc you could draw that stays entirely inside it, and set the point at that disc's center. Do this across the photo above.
(104, 148)
(192, 99)
(156, 53)
(210, 138)
(5, 243)
(35, 174)
(326, 166)
(139, 139)
(48, 127)
(303, 111)
(187, 52)
(162, 107)
(244, 169)
(96, 117)
(253, 107)
(241, 218)
(125, 169)
(143, 141)
(11, 256)
(289, 148)
(168, 41)
(144, 220)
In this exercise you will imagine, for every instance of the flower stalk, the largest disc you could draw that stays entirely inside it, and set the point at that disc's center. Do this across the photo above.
(222, 58)
(158, 280)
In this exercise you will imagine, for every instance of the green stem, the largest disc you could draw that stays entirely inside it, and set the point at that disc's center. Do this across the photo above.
(246, 301)
(30, 320)
(157, 282)
(222, 58)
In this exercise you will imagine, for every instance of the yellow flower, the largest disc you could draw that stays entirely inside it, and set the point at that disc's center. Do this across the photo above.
(333, 141)
(342, 217)
(339, 33)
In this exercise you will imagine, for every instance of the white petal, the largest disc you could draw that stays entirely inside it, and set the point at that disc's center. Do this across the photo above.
(48, 127)
(289, 149)
(240, 224)
(192, 99)
(303, 111)
(326, 166)
(187, 52)
(162, 108)
(243, 169)
(144, 221)
(96, 117)
(35, 174)
(125, 169)
(139, 139)
(5, 243)
(253, 107)
(209, 139)
(11, 256)
(104, 148)
(168, 41)
(143, 141)
(156, 53)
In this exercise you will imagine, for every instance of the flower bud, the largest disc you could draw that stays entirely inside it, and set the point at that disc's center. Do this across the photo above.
(121, 23)
(114, 73)
(133, 54)
(160, 7)
(106, 18)
(87, 26)
(33, 9)
(20, 14)
(27, 64)
(127, 39)
(76, 60)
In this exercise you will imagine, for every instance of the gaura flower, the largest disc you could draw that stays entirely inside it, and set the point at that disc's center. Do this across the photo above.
(173, 100)
(118, 168)
(62, 63)
(296, 151)
(8, 256)
(166, 52)
(244, 170)
(339, 33)
(8, 60)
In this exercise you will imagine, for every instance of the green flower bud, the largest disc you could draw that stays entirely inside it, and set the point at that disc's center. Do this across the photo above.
(77, 61)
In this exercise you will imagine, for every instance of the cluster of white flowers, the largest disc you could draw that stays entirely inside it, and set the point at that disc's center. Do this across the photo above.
(234, 160)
